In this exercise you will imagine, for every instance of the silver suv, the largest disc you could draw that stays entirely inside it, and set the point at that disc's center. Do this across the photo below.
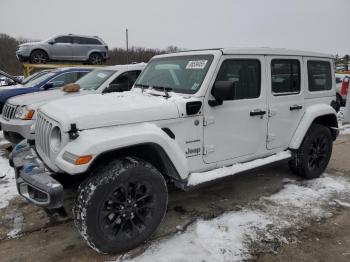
(92, 50)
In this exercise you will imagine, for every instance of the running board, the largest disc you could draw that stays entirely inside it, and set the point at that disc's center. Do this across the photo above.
(203, 177)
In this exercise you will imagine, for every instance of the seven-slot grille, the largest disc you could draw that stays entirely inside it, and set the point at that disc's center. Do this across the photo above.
(43, 127)
(9, 111)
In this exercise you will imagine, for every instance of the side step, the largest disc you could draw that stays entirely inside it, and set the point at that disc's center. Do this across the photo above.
(203, 177)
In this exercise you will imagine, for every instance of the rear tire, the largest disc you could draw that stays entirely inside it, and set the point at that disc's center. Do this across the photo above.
(38, 57)
(120, 205)
(314, 154)
(95, 59)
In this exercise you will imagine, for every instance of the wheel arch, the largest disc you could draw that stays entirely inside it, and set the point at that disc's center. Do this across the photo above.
(150, 152)
(316, 114)
(40, 49)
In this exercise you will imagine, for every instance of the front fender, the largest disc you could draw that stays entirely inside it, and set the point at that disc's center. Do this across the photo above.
(100, 140)
(311, 113)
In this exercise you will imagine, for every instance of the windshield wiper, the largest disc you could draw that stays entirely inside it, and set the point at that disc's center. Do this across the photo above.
(163, 88)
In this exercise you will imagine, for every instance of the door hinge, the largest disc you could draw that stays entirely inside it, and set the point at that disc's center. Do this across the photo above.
(272, 112)
(208, 149)
(270, 137)
(208, 121)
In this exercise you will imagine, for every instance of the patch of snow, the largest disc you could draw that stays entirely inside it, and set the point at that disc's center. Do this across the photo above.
(3, 141)
(198, 178)
(17, 225)
(8, 188)
(231, 236)
(344, 204)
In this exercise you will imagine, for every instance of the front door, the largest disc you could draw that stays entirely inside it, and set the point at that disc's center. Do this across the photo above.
(286, 99)
(62, 48)
(238, 127)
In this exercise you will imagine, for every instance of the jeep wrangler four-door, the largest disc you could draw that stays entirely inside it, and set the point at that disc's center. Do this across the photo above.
(192, 117)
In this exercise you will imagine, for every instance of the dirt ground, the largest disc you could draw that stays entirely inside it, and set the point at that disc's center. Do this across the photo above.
(52, 237)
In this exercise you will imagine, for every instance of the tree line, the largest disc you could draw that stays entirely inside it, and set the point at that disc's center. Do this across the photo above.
(118, 56)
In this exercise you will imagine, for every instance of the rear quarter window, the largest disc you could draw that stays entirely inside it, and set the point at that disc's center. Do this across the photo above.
(319, 75)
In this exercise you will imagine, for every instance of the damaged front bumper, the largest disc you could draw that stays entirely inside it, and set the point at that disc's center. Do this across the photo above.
(34, 181)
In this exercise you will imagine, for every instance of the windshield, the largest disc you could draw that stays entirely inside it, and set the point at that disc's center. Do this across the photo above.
(94, 79)
(33, 76)
(39, 79)
(182, 74)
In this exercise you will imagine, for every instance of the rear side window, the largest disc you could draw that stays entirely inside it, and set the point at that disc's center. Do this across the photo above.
(320, 75)
(285, 76)
(245, 74)
(85, 41)
(64, 79)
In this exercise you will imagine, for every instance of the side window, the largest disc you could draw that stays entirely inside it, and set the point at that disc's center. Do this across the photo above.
(285, 76)
(63, 39)
(133, 75)
(92, 41)
(128, 78)
(319, 75)
(81, 74)
(246, 75)
(64, 79)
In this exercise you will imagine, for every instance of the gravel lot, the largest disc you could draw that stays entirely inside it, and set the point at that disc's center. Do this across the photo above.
(263, 215)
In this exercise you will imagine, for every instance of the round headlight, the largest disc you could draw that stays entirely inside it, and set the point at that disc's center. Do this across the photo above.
(55, 139)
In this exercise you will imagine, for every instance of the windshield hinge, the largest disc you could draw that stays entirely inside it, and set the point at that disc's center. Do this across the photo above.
(208, 121)
(73, 132)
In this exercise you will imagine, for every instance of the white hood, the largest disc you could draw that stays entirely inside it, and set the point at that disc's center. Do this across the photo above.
(97, 110)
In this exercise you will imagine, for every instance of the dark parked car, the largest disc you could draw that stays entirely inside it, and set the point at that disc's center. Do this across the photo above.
(53, 79)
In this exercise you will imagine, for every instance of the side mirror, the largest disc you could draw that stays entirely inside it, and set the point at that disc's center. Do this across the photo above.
(51, 42)
(48, 86)
(222, 90)
(116, 88)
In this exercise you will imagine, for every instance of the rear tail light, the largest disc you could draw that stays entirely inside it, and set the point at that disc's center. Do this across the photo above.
(345, 86)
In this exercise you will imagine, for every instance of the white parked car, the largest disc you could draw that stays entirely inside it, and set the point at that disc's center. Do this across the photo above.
(192, 117)
(20, 112)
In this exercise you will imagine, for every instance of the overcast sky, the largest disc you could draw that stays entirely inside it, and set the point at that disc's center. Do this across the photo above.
(316, 25)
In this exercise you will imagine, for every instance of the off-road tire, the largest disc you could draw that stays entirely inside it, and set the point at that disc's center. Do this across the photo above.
(95, 59)
(312, 158)
(38, 57)
(102, 193)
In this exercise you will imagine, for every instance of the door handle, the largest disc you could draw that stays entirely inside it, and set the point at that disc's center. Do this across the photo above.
(295, 107)
(257, 112)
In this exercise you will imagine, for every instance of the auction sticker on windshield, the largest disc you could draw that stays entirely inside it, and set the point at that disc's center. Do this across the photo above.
(197, 64)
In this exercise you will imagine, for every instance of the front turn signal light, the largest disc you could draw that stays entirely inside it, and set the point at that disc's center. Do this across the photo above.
(29, 115)
(82, 160)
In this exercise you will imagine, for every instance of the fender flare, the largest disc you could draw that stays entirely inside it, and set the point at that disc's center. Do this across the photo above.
(311, 113)
(103, 140)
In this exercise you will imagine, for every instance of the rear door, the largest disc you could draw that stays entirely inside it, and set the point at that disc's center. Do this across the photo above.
(80, 47)
(286, 99)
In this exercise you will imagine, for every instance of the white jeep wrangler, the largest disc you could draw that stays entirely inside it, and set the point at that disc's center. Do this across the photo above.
(191, 118)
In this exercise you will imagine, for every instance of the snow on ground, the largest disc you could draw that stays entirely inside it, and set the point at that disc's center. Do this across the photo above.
(7, 184)
(235, 235)
(344, 130)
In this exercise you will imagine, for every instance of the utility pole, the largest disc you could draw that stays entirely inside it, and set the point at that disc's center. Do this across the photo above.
(127, 46)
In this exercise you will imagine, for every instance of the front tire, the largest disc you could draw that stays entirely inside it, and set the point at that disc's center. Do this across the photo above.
(38, 57)
(314, 154)
(120, 205)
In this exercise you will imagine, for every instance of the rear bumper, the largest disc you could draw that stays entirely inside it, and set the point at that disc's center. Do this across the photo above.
(34, 181)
